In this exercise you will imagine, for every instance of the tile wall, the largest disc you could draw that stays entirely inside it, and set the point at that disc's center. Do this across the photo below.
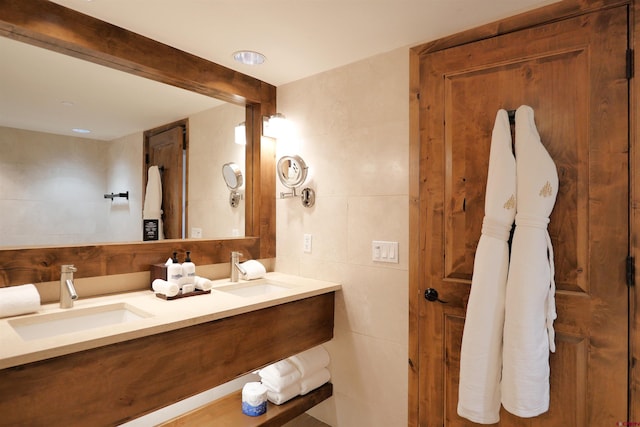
(351, 126)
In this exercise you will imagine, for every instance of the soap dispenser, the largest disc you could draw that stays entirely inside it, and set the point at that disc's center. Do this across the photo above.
(174, 271)
(188, 271)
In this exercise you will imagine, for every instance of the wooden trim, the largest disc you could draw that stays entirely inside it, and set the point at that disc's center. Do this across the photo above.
(555, 12)
(558, 11)
(49, 25)
(634, 216)
(116, 383)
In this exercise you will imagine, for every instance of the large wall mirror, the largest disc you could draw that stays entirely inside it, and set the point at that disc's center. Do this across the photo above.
(54, 180)
(40, 159)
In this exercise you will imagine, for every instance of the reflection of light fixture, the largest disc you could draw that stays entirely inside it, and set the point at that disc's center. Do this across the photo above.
(249, 57)
(241, 134)
(274, 126)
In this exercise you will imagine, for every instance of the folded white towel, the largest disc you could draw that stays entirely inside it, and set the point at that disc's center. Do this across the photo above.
(165, 288)
(22, 299)
(253, 269)
(283, 396)
(278, 369)
(279, 383)
(311, 360)
(314, 380)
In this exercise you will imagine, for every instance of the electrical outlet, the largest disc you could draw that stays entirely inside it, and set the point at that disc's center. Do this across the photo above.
(196, 233)
(306, 244)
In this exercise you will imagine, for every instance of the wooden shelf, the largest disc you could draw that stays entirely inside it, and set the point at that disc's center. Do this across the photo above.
(227, 411)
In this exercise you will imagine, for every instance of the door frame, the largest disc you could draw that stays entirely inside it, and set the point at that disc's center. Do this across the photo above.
(557, 11)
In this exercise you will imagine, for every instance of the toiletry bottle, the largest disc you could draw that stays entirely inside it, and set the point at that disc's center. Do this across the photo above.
(188, 271)
(174, 271)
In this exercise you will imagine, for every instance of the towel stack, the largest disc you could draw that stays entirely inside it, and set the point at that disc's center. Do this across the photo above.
(297, 375)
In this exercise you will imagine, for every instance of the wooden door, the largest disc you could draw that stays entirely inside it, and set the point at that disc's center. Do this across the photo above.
(572, 72)
(165, 147)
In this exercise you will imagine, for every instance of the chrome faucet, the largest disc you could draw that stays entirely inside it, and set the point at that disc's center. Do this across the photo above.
(235, 266)
(67, 290)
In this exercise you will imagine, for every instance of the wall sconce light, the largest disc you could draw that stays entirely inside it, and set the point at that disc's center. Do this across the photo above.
(274, 126)
(241, 134)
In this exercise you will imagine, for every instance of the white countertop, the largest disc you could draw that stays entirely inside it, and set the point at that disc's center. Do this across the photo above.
(162, 315)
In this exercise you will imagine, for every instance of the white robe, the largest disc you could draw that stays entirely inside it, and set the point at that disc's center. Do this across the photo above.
(481, 353)
(530, 299)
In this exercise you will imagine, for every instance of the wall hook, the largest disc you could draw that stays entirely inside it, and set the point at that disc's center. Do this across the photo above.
(114, 195)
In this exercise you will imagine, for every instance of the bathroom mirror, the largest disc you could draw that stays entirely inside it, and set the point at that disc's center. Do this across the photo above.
(56, 166)
(292, 171)
(49, 25)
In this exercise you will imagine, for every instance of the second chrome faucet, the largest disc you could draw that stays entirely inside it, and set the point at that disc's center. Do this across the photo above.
(235, 266)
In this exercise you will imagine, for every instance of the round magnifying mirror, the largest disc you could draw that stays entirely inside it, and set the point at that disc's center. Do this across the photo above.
(232, 175)
(292, 171)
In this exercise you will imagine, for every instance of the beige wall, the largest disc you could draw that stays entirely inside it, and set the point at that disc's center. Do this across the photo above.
(351, 126)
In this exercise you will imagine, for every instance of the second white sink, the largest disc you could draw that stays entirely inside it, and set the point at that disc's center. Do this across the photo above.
(75, 320)
(249, 289)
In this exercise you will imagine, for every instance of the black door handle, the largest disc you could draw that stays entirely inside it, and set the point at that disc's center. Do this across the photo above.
(432, 295)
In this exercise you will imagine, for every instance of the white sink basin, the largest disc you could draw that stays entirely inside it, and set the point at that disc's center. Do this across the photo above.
(75, 320)
(249, 289)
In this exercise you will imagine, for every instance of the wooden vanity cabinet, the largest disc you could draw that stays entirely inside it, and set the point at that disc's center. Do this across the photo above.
(113, 384)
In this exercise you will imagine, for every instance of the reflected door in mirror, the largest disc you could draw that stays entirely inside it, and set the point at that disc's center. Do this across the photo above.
(166, 148)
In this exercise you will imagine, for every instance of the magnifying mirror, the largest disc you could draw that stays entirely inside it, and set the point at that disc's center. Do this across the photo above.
(233, 178)
(292, 172)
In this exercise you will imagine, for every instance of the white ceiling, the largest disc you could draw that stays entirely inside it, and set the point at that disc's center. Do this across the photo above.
(300, 38)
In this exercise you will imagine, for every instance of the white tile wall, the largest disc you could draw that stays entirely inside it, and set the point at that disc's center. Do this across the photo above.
(351, 126)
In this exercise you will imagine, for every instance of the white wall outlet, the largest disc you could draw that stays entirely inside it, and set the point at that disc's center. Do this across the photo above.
(382, 251)
(196, 233)
(306, 243)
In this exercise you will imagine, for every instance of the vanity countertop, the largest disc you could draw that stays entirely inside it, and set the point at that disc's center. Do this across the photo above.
(163, 315)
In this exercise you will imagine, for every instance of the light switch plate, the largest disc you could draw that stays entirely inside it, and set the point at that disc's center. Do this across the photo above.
(306, 244)
(382, 251)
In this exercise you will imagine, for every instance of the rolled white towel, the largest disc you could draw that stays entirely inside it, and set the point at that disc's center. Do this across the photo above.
(283, 396)
(279, 383)
(165, 288)
(314, 380)
(278, 369)
(22, 299)
(253, 270)
(203, 284)
(311, 360)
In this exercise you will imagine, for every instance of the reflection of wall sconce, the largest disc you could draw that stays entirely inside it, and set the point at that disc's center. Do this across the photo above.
(233, 178)
(241, 134)
(292, 172)
(274, 126)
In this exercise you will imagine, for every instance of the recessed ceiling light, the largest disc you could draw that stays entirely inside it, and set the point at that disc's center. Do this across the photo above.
(80, 130)
(249, 57)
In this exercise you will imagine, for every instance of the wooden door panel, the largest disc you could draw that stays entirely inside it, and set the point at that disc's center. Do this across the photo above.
(572, 73)
(466, 183)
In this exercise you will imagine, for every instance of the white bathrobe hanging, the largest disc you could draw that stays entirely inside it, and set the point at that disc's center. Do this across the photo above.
(152, 208)
(530, 296)
(481, 353)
